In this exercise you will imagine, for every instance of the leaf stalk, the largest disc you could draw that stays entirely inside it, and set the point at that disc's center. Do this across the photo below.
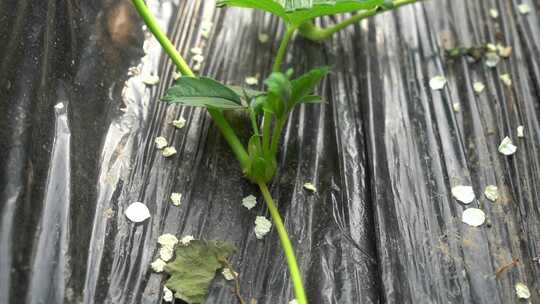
(276, 135)
(294, 271)
(318, 34)
(283, 48)
(267, 121)
(167, 45)
(225, 128)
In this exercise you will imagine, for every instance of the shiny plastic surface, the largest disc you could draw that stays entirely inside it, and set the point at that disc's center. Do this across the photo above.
(77, 130)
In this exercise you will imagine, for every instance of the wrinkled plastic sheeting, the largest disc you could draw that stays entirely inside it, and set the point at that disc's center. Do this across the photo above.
(424, 147)
(77, 126)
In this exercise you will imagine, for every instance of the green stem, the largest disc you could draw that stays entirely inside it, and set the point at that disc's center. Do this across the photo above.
(230, 136)
(183, 67)
(233, 140)
(318, 34)
(253, 118)
(167, 45)
(296, 278)
(276, 68)
(283, 48)
(266, 131)
(276, 135)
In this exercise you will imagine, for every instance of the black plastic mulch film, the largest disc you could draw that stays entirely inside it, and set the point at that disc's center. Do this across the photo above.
(77, 130)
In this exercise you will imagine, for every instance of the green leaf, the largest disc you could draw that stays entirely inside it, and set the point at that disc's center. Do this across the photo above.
(246, 93)
(257, 103)
(388, 4)
(296, 12)
(305, 84)
(279, 84)
(289, 73)
(248, 96)
(202, 92)
(262, 169)
(311, 99)
(265, 5)
(255, 155)
(254, 147)
(194, 268)
(262, 165)
(259, 168)
(274, 104)
(279, 93)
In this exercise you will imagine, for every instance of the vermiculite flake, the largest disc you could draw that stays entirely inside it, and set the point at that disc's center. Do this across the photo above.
(473, 217)
(464, 194)
(437, 82)
(507, 147)
(522, 291)
(491, 192)
(137, 212)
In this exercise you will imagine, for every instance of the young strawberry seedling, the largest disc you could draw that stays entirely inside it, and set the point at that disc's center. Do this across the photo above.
(268, 110)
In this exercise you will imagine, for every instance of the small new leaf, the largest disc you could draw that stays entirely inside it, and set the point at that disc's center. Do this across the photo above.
(300, 11)
(194, 268)
(254, 147)
(279, 84)
(257, 104)
(283, 94)
(279, 94)
(305, 84)
(203, 92)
